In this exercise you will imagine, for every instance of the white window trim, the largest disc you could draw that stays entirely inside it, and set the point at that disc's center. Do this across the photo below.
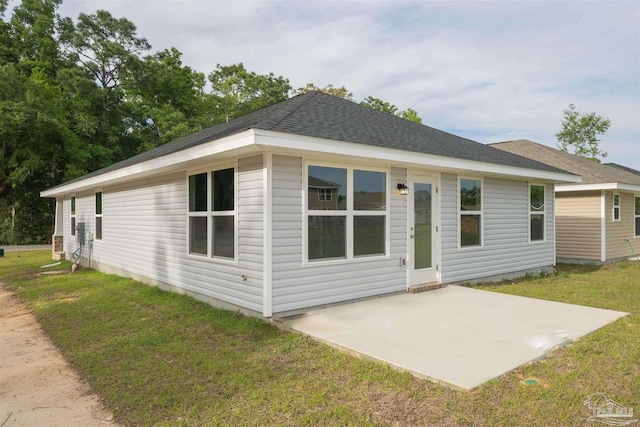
(73, 200)
(461, 212)
(542, 212)
(635, 216)
(209, 213)
(349, 213)
(96, 215)
(614, 206)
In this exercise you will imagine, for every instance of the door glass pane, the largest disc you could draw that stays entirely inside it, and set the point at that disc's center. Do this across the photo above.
(327, 237)
(422, 225)
(369, 190)
(327, 188)
(368, 235)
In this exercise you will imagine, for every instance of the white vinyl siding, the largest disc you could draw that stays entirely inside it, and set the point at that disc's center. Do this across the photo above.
(506, 246)
(296, 285)
(153, 242)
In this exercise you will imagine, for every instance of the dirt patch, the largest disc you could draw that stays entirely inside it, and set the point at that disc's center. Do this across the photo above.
(37, 386)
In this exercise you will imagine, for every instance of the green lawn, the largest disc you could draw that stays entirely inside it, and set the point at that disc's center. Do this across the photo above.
(163, 359)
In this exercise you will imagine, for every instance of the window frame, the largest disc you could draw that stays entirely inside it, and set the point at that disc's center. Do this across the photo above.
(325, 192)
(73, 219)
(461, 212)
(209, 213)
(97, 215)
(616, 207)
(349, 213)
(636, 216)
(542, 212)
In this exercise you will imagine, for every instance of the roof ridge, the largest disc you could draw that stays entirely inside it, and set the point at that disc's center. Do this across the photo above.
(276, 118)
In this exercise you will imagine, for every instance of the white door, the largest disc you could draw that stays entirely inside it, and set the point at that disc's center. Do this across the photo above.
(422, 230)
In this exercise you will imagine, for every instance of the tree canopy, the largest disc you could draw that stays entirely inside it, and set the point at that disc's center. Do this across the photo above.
(580, 133)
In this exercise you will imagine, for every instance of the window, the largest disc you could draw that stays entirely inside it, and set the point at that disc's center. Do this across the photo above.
(536, 212)
(98, 216)
(637, 216)
(73, 216)
(616, 207)
(347, 213)
(212, 215)
(324, 194)
(470, 212)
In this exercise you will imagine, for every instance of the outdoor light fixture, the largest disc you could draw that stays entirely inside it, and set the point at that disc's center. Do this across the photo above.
(402, 187)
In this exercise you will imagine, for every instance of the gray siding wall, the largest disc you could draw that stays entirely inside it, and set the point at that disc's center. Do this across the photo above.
(296, 286)
(506, 232)
(145, 234)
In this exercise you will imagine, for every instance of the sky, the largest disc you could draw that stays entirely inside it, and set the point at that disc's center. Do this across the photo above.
(485, 70)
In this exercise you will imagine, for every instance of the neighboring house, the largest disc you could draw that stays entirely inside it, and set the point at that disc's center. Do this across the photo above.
(304, 203)
(594, 218)
(626, 168)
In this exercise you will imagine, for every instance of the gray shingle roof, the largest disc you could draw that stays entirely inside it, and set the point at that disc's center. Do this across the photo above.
(591, 172)
(626, 168)
(320, 115)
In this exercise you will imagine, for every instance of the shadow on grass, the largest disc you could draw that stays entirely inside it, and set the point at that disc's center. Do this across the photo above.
(578, 268)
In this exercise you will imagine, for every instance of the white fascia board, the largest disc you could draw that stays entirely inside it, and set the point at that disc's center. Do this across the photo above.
(271, 140)
(597, 187)
(169, 162)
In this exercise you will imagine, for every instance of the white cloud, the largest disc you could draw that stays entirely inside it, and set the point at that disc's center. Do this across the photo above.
(486, 70)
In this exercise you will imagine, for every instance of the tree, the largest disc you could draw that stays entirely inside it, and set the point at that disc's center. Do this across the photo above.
(237, 91)
(340, 92)
(386, 107)
(33, 30)
(167, 99)
(380, 105)
(581, 131)
(109, 49)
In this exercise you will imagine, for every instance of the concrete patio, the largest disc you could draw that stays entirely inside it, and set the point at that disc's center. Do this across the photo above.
(454, 335)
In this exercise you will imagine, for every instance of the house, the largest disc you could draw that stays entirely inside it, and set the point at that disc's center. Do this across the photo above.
(595, 218)
(626, 168)
(311, 201)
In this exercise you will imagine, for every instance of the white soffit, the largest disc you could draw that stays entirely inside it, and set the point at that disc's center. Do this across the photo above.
(164, 164)
(291, 143)
(560, 188)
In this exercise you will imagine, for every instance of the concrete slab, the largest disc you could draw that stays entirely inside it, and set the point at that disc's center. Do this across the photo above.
(456, 335)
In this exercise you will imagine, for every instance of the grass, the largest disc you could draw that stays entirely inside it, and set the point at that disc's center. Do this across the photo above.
(158, 358)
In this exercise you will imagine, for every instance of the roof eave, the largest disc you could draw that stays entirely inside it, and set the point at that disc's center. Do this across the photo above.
(598, 187)
(271, 140)
(165, 164)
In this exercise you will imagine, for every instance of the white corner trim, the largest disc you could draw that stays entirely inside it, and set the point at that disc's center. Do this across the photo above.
(603, 226)
(210, 148)
(267, 214)
(595, 187)
(284, 141)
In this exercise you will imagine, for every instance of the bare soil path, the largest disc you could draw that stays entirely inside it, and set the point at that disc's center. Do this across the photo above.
(37, 386)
